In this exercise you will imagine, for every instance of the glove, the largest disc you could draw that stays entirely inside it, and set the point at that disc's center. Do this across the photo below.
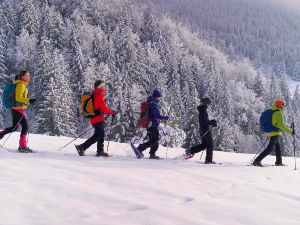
(213, 123)
(98, 112)
(32, 101)
(113, 114)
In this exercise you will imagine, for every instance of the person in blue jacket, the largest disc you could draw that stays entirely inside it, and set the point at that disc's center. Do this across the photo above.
(152, 131)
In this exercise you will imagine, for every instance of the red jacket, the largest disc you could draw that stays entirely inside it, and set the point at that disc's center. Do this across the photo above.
(99, 104)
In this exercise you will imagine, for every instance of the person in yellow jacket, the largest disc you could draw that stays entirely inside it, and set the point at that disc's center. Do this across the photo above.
(18, 112)
(275, 135)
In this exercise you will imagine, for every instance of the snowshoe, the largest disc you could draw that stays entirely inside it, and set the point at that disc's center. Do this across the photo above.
(80, 150)
(279, 164)
(258, 164)
(153, 156)
(188, 154)
(25, 150)
(102, 154)
(210, 162)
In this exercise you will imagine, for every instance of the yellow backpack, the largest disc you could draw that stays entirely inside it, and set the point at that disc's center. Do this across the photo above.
(87, 105)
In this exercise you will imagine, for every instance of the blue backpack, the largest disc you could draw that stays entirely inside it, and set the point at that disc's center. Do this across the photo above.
(266, 121)
(8, 96)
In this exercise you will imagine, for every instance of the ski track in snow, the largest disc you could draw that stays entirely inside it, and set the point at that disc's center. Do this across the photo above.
(59, 187)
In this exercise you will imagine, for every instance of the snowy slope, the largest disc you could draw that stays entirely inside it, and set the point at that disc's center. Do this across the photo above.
(54, 187)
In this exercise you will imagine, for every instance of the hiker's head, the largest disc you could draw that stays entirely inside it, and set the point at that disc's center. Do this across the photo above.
(279, 103)
(24, 76)
(99, 84)
(206, 101)
(156, 94)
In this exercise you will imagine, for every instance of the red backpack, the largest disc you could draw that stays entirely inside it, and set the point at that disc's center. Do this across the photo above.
(145, 115)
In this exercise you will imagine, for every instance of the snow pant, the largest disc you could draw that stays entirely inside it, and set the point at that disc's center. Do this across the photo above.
(153, 135)
(19, 117)
(97, 137)
(207, 143)
(274, 143)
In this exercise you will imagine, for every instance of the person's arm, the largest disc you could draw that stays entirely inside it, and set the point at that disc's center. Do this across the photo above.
(155, 114)
(20, 89)
(203, 118)
(279, 122)
(99, 104)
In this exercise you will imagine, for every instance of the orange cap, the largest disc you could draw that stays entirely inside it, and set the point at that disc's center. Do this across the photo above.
(279, 103)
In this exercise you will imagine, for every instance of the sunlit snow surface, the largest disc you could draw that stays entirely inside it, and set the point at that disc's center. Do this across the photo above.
(59, 187)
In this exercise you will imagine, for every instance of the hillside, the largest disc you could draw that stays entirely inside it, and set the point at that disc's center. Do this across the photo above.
(59, 187)
(264, 31)
(136, 49)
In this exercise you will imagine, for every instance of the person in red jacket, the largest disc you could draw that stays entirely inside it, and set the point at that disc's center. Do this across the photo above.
(97, 121)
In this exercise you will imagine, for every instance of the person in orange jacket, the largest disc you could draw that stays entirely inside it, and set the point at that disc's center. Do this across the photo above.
(97, 121)
(18, 112)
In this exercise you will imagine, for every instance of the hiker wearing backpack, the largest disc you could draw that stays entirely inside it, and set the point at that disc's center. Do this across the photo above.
(152, 127)
(17, 100)
(272, 122)
(97, 121)
(205, 132)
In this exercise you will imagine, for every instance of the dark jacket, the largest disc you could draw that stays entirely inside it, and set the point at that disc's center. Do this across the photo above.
(154, 113)
(203, 118)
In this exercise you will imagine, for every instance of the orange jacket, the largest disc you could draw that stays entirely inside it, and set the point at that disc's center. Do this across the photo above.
(99, 104)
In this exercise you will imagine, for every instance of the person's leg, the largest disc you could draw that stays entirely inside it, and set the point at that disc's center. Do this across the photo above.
(154, 137)
(209, 142)
(148, 144)
(100, 143)
(23, 136)
(278, 152)
(92, 140)
(268, 150)
(16, 116)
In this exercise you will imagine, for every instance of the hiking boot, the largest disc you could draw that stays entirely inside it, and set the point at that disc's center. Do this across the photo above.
(102, 154)
(140, 151)
(209, 162)
(257, 164)
(153, 156)
(80, 150)
(25, 150)
(279, 164)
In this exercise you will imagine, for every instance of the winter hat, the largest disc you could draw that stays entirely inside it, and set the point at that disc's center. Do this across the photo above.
(156, 94)
(206, 101)
(279, 103)
(99, 82)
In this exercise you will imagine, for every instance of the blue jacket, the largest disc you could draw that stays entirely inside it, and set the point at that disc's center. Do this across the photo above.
(154, 113)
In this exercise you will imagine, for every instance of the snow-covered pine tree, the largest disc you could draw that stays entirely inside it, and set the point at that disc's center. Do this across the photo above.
(29, 16)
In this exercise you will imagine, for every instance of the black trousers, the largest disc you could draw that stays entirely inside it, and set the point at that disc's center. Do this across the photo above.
(207, 143)
(18, 119)
(274, 143)
(97, 137)
(153, 135)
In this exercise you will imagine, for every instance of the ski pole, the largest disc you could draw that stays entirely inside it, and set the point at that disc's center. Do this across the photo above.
(259, 150)
(294, 143)
(75, 138)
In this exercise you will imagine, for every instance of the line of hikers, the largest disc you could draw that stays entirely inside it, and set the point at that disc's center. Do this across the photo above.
(272, 122)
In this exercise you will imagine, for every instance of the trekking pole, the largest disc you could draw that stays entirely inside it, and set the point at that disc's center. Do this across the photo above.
(294, 143)
(110, 131)
(75, 139)
(201, 138)
(30, 117)
(259, 150)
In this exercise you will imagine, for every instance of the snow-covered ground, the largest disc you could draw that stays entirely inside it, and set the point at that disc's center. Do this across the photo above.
(59, 187)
